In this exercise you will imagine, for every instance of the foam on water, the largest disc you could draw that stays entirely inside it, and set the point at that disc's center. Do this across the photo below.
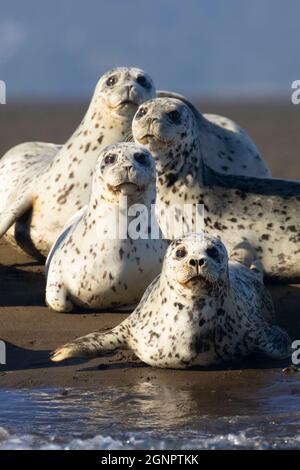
(100, 442)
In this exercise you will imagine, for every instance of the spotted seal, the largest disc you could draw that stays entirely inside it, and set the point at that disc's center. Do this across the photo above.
(201, 310)
(42, 196)
(264, 211)
(225, 146)
(91, 265)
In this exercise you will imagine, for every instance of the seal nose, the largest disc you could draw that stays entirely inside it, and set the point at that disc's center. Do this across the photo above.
(151, 121)
(128, 167)
(197, 262)
(128, 91)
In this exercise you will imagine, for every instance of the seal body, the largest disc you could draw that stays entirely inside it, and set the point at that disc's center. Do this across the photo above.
(50, 194)
(20, 165)
(200, 311)
(18, 168)
(95, 265)
(263, 211)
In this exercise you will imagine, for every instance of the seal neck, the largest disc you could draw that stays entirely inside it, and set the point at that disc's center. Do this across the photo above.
(182, 167)
(98, 129)
(121, 212)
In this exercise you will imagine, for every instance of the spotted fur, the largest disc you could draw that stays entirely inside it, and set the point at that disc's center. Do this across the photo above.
(263, 211)
(90, 265)
(41, 190)
(200, 311)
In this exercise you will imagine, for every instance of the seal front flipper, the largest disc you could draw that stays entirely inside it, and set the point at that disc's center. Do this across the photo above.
(57, 297)
(14, 210)
(94, 344)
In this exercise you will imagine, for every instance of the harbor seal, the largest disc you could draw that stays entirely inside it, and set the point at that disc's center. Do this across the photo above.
(47, 195)
(225, 147)
(90, 264)
(200, 311)
(263, 211)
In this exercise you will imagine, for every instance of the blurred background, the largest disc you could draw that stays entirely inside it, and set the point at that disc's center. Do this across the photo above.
(233, 57)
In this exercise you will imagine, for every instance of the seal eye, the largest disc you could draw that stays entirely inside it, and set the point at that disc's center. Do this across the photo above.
(141, 112)
(181, 253)
(175, 116)
(142, 80)
(213, 253)
(111, 81)
(110, 159)
(141, 158)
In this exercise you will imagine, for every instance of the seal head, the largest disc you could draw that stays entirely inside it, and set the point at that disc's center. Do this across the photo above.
(168, 128)
(125, 169)
(195, 264)
(123, 89)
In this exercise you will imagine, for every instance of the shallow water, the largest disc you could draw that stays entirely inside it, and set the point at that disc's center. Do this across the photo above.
(147, 416)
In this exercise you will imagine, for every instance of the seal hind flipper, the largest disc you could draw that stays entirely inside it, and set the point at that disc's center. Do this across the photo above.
(243, 253)
(274, 342)
(257, 269)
